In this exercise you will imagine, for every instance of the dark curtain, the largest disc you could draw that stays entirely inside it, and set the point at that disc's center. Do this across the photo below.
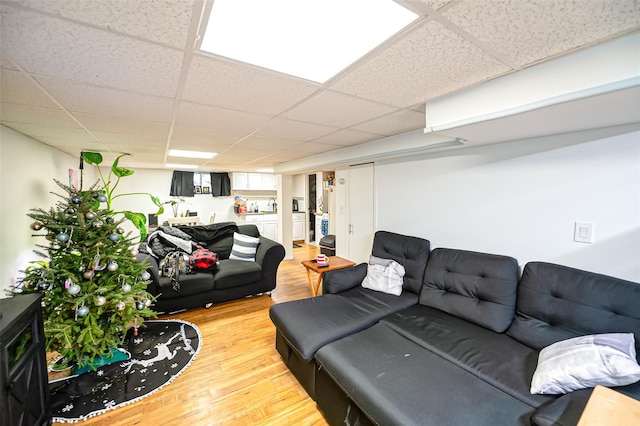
(220, 184)
(182, 184)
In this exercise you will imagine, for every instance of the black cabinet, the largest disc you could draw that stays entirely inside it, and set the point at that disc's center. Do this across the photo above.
(24, 389)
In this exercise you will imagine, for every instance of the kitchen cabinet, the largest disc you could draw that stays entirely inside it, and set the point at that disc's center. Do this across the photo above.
(267, 224)
(271, 226)
(257, 220)
(298, 226)
(253, 181)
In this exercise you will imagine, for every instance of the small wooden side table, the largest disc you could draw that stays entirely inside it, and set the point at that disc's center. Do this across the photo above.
(608, 407)
(335, 262)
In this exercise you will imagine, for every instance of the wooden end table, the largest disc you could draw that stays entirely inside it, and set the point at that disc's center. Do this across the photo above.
(335, 262)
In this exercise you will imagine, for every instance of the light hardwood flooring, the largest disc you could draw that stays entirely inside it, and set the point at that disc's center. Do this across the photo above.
(238, 378)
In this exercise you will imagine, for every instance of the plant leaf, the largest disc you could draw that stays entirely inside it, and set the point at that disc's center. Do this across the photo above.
(139, 220)
(92, 157)
(121, 171)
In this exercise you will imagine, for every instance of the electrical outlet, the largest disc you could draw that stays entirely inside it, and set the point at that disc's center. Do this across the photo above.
(583, 232)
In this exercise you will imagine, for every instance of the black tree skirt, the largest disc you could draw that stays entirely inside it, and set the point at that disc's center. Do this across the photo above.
(160, 353)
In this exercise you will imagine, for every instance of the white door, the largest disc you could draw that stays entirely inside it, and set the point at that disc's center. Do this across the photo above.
(360, 227)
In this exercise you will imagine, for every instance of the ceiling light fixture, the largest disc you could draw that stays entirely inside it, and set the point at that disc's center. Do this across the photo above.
(181, 166)
(191, 154)
(265, 170)
(313, 40)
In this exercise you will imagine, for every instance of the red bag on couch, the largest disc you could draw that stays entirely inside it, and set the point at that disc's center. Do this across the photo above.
(202, 258)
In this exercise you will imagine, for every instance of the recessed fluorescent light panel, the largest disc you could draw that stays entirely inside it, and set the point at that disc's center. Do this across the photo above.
(311, 39)
(265, 170)
(191, 154)
(181, 166)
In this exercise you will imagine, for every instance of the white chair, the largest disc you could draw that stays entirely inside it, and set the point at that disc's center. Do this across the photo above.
(189, 221)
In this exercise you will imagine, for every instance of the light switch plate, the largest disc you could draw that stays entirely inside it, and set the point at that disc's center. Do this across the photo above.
(583, 232)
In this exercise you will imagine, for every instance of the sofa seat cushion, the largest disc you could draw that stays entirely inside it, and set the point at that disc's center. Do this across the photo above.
(478, 287)
(396, 381)
(309, 324)
(236, 273)
(200, 282)
(496, 358)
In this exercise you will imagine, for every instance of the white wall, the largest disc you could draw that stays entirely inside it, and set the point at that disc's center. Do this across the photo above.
(28, 169)
(158, 183)
(522, 199)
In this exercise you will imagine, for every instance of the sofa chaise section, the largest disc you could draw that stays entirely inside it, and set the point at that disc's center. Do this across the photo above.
(304, 326)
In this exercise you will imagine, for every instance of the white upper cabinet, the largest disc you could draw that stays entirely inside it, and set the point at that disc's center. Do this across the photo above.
(253, 181)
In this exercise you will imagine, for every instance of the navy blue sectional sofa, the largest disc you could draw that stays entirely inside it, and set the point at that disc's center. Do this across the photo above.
(458, 347)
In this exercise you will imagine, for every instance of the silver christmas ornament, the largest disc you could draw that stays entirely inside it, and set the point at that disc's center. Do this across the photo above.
(83, 311)
(112, 266)
(101, 300)
(126, 288)
(90, 215)
(145, 276)
(74, 289)
(120, 306)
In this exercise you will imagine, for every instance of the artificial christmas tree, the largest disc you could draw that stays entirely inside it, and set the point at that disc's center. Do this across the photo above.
(94, 290)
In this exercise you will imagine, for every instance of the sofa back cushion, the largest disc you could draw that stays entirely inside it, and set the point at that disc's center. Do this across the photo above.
(411, 252)
(477, 287)
(556, 303)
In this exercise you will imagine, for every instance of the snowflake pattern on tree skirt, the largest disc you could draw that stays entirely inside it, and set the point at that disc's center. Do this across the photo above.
(160, 353)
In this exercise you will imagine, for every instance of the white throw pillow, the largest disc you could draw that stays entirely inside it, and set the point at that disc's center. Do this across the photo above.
(586, 361)
(384, 275)
(244, 247)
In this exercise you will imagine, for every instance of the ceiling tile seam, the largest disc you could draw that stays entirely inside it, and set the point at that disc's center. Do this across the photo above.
(51, 97)
(485, 47)
(187, 60)
(92, 26)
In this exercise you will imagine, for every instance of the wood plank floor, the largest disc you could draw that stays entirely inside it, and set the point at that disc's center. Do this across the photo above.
(238, 378)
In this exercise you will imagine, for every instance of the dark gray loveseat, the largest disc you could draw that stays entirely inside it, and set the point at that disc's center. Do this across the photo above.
(233, 279)
(463, 353)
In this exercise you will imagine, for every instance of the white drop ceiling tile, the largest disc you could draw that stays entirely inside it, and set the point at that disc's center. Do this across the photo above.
(433, 4)
(133, 142)
(51, 47)
(239, 153)
(220, 82)
(291, 129)
(395, 123)
(185, 136)
(347, 137)
(208, 117)
(35, 115)
(164, 21)
(5, 63)
(430, 62)
(527, 31)
(17, 89)
(72, 145)
(118, 125)
(267, 143)
(283, 156)
(337, 110)
(86, 98)
(315, 148)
